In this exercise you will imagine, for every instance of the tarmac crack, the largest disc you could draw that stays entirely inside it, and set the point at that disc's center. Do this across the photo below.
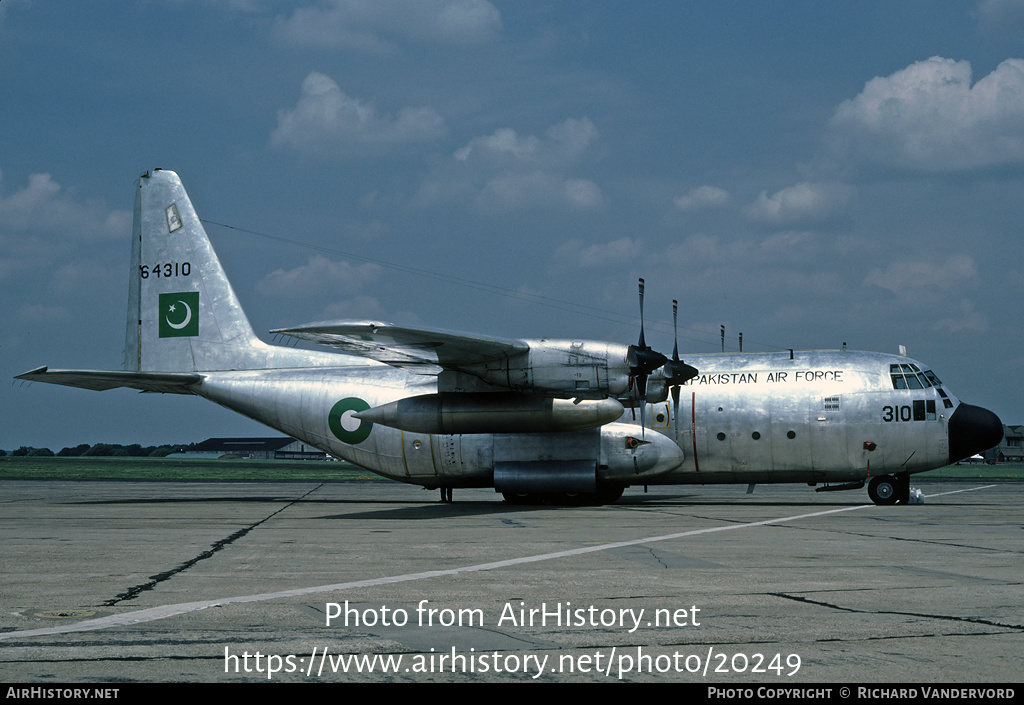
(655, 556)
(133, 592)
(923, 615)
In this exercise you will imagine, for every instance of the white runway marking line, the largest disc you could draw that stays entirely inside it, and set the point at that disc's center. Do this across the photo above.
(154, 613)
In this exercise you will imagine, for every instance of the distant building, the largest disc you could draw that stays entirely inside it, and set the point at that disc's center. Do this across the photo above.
(276, 448)
(1011, 448)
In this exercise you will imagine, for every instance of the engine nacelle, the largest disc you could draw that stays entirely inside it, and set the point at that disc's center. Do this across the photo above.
(673, 373)
(657, 390)
(562, 368)
(492, 412)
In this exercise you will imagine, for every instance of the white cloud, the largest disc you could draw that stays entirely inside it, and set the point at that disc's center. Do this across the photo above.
(42, 207)
(506, 170)
(929, 117)
(910, 276)
(360, 307)
(328, 122)
(83, 276)
(702, 197)
(372, 25)
(538, 188)
(802, 204)
(564, 144)
(582, 193)
(606, 253)
(969, 320)
(700, 250)
(319, 277)
(1003, 18)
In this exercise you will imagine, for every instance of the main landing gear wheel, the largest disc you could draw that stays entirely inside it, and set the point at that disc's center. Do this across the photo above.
(890, 489)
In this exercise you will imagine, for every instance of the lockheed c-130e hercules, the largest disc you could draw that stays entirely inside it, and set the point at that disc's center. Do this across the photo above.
(534, 419)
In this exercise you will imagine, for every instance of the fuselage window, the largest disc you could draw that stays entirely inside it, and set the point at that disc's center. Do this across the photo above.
(919, 410)
(945, 400)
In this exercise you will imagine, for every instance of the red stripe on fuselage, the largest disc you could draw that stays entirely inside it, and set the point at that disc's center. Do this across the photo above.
(693, 428)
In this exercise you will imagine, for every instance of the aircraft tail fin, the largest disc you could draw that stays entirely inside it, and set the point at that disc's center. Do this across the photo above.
(183, 315)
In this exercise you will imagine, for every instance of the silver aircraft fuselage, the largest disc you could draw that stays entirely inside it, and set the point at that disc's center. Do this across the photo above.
(816, 417)
(531, 418)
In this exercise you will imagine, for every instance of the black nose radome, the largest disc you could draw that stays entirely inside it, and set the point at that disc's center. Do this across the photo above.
(972, 430)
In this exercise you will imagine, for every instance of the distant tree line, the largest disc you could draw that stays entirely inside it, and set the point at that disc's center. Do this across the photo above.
(104, 449)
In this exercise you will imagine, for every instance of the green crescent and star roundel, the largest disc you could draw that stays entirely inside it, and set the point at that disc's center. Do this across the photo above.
(179, 314)
(337, 425)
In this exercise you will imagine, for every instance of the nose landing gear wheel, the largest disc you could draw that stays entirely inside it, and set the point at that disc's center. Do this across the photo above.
(884, 490)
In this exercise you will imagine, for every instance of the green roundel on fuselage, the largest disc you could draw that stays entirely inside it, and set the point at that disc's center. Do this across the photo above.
(360, 433)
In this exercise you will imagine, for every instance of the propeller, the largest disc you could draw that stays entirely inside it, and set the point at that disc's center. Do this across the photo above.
(676, 371)
(642, 360)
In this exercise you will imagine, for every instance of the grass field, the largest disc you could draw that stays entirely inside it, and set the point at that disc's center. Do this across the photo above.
(165, 469)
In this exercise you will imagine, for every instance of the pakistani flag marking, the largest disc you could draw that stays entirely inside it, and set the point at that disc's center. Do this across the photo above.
(179, 314)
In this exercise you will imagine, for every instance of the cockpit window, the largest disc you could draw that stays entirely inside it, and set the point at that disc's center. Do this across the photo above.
(908, 376)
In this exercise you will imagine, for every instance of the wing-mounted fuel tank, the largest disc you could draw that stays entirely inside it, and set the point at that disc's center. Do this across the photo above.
(631, 459)
(492, 412)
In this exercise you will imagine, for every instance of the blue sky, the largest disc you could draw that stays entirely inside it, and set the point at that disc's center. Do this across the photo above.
(806, 173)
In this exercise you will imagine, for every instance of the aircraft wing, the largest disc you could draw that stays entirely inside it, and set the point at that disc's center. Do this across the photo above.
(102, 380)
(401, 347)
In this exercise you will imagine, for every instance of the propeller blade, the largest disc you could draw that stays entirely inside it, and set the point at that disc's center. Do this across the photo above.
(641, 342)
(675, 370)
(675, 410)
(675, 330)
(642, 359)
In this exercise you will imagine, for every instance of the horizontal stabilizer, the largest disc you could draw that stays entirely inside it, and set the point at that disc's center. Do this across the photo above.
(398, 346)
(102, 380)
